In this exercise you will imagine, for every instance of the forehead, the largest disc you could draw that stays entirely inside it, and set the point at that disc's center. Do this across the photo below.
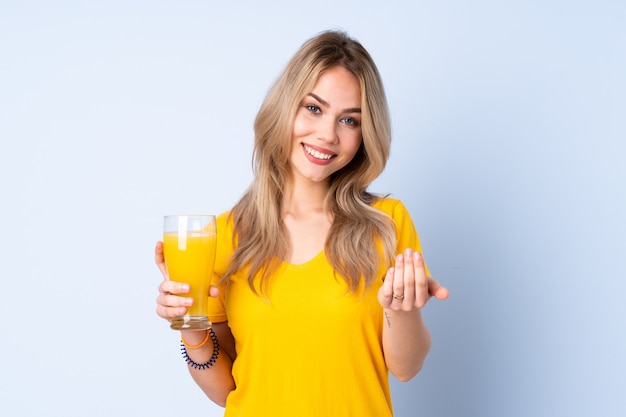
(338, 84)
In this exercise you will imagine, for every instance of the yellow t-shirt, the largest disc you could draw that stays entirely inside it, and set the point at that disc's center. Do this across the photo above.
(313, 350)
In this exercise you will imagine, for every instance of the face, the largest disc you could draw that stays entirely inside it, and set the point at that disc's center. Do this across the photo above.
(327, 127)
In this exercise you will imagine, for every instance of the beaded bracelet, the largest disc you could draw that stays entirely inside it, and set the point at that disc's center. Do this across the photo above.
(211, 361)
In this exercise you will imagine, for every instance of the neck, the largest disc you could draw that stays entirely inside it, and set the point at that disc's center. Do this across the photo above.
(302, 197)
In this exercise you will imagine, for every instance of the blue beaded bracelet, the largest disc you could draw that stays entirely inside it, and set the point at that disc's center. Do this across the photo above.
(211, 362)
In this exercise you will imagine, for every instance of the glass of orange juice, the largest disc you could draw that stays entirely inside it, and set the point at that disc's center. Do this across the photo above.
(189, 249)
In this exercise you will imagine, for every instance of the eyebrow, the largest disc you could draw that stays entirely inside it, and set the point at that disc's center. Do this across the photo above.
(325, 103)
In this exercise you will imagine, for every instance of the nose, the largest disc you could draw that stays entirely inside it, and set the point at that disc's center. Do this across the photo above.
(327, 130)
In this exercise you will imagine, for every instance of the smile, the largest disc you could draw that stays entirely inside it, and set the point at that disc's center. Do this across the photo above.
(317, 154)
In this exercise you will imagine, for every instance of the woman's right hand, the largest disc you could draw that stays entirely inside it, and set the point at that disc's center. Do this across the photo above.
(169, 304)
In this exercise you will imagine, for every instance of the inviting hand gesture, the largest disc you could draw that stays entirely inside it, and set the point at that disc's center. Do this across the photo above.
(406, 286)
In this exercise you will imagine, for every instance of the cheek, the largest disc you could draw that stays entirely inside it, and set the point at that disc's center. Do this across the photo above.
(300, 126)
(353, 143)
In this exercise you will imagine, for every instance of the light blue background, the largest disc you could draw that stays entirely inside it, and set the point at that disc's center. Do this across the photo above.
(509, 128)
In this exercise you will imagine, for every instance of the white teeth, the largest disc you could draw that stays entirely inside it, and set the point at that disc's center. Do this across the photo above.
(317, 154)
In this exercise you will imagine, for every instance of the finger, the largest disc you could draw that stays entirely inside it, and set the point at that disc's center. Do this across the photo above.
(173, 287)
(168, 313)
(169, 300)
(214, 291)
(170, 306)
(437, 290)
(385, 292)
(398, 279)
(421, 281)
(408, 299)
(159, 258)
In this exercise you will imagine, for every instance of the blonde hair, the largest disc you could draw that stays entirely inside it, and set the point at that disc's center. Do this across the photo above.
(260, 237)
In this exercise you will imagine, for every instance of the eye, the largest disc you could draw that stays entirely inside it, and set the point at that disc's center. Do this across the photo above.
(350, 121)
(312, 108)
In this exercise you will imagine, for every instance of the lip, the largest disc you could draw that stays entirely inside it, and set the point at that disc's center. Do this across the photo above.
(314, 159)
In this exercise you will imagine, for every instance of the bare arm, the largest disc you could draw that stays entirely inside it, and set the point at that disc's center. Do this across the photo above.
(217, 381)
(406, 290)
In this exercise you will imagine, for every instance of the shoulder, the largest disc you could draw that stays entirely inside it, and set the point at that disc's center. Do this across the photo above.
(224, 224)
(224, 221)
(398, 213)
(390, 206)
(224, 249)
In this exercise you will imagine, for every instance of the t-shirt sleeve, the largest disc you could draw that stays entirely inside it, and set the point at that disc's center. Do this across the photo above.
(223, 251)
(216, 306)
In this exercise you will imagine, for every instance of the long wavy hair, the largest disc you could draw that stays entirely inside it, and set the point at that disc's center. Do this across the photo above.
(358, 230)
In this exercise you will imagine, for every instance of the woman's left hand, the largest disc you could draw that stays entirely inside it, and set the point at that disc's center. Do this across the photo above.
(406, 286)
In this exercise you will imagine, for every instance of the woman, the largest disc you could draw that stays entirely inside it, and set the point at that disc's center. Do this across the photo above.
(308, 313)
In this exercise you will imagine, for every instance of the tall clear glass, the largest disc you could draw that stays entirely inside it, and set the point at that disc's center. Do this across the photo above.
(189, 247)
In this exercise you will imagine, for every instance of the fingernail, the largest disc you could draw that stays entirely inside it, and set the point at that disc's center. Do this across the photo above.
(399, 258)
(408, 251)
(416, 256)
(188, 301)
(184, 288)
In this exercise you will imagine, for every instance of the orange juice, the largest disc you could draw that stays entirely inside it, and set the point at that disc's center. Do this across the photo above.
(189, 257)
